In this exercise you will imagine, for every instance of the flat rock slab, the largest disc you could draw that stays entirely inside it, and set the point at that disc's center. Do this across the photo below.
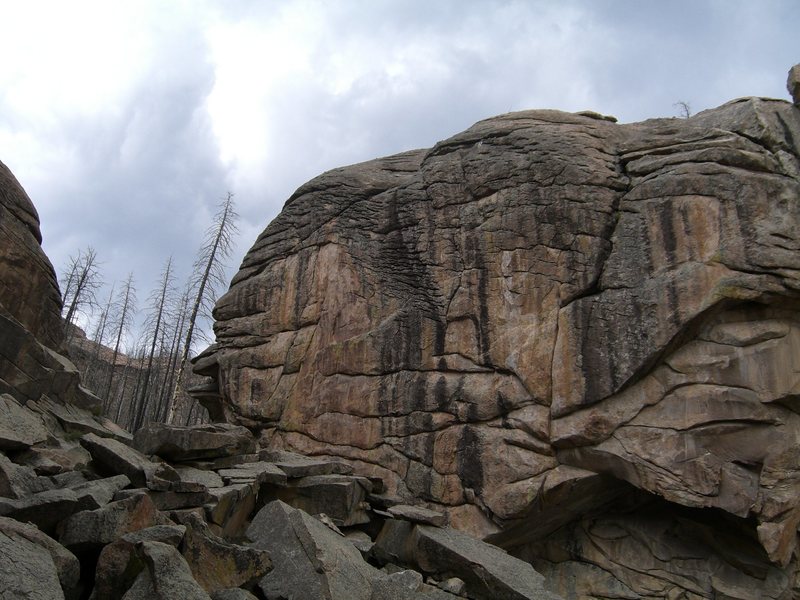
(297, 465)
(309, 559)
(118, 458)
(17, 481)
(418, 514)
(77, 420)
(95, 494)
(19, 427)
(489, 572)
(208, 479)
(27, 570)
(44, 509)
(200, 442)
(67, 566)
(256, 472)
(230, 507)
(340, 497)
(169, 500)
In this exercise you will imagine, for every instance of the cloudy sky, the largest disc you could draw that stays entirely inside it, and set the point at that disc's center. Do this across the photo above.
(128, 121)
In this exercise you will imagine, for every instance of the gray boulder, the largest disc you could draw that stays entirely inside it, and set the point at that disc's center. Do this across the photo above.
(166, 576)
(489, 572)
(92, 529)
(298, 465)
(341, 497)
(200, 442)
(309, 559)
(218, 564)
(19, 427)
(119, 565)
(115, 457)
(27, 570)
(45, 509)
(66, 564)
(17, 481)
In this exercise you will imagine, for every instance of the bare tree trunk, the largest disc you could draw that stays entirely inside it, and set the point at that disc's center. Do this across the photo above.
(166, 283)
(216, 248)
(128, 303)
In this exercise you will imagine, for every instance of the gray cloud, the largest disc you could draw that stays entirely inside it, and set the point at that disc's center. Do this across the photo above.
(320, 84)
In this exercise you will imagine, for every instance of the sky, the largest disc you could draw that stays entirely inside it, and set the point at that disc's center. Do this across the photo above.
(127, 122)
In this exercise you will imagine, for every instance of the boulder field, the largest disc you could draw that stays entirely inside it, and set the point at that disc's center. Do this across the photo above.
(575, 338)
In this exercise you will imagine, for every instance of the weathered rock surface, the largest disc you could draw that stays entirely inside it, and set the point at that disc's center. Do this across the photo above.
(31, 330)
(193, 443)
(542, 306)
(65, 563)
(309, 559)
(27, 570)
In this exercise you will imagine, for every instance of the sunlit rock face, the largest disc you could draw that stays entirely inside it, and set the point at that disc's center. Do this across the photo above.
(540, 320)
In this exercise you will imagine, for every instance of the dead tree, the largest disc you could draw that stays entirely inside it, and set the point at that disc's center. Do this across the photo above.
(159, 302)
(207, 278)
(126, 306)
(82, 282)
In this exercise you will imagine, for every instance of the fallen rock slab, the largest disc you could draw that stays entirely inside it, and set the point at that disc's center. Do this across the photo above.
(167, 576)
(297, 465)
(204, 477)
(67, 566)
(217, 564)
(92, 529)
(176, 443)
(119, 565)
(44, 509)
(260, 472)
(77, 420)
(166, 501)
(19, 427)
(418, 514)
(95, 494)
(17, 481)
(27, 570)
(340, 497)
(231, 507)
(118, 458)
(309, 559)
(489, 572)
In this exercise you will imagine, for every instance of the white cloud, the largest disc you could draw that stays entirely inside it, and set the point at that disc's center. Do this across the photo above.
(127, 121)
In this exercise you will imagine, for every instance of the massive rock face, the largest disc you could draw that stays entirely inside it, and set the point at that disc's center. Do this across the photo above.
(31, 329)
(542, 319)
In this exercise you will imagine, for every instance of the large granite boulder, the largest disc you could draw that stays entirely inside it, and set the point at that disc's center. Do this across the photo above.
(537, 317)
(32, 363)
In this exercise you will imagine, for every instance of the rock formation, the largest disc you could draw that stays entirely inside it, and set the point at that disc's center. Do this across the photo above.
(32, 332)
(89, 511)
(578, 338)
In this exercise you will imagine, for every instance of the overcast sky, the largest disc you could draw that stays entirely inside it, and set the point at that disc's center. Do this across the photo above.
(127, 122)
